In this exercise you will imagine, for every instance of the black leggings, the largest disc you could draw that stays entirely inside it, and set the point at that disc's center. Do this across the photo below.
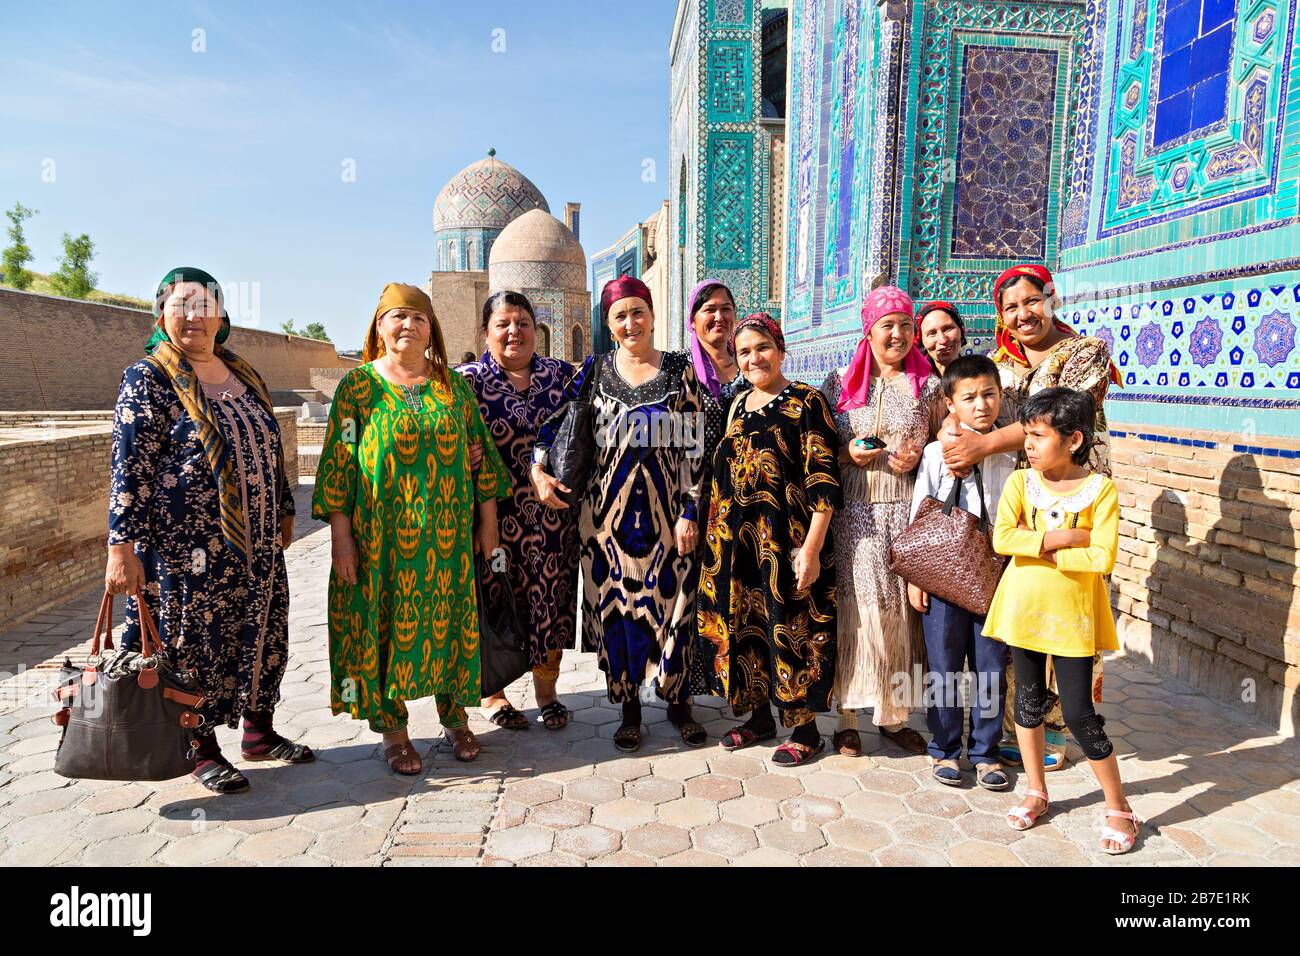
(1073, 686)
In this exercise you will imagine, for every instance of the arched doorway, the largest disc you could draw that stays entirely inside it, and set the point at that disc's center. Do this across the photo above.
(543, 340)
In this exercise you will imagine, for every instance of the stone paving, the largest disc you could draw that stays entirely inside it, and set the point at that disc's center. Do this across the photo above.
(1213, 789)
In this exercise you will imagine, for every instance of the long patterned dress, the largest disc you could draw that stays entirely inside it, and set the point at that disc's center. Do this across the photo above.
(880, 639)
(637, 606)
(395, 459)
(704, 678)
(541, 542)
(1082, 363)
(773, 470)
(224, 617)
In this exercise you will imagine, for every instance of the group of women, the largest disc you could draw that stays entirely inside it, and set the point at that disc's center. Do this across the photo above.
(750, 565)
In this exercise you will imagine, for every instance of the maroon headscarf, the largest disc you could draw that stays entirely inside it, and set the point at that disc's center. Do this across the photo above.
(624, 287)
(762, 321)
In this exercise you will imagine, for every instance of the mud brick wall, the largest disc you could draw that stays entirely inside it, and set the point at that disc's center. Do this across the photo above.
(1206, 582)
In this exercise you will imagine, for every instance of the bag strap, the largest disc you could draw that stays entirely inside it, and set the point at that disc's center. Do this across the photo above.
(953, 495)
(149, 642)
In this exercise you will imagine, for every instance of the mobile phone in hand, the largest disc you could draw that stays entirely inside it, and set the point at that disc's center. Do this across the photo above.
(870, 443)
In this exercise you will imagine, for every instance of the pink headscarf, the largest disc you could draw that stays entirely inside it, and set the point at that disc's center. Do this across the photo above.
(880, 302)
(704, 370)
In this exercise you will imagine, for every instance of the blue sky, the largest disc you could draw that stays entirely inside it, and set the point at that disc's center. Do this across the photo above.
(232, 159)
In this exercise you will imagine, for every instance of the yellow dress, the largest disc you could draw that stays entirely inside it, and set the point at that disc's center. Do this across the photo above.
(1061, 609)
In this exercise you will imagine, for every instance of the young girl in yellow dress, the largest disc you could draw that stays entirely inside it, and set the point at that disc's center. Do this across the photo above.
(1059, 523)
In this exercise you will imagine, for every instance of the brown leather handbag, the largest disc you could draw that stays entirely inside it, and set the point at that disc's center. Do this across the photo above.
(127, 715)
(948, 552)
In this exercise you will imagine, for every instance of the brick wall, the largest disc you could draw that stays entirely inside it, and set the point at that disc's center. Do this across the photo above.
(61, 354)
(1206, 582)
(54, 513)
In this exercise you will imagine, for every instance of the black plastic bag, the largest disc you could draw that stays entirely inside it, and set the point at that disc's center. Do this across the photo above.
(503, 641)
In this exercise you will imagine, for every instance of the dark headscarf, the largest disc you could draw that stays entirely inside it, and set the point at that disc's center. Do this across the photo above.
(624, 287)
(186, 274)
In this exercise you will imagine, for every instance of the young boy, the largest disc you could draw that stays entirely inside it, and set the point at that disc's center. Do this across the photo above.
(954, 636)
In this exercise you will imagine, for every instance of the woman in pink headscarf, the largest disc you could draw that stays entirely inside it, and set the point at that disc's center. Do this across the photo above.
(887, 392)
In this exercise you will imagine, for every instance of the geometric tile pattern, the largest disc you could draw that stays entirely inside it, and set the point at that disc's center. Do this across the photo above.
(1004, 150)
(730, 77)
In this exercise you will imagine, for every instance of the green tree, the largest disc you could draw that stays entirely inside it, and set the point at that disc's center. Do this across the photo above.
(316, 330)
(73, 278)
(17, 255)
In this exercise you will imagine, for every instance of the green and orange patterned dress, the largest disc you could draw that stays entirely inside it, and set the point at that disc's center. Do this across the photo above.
(396, 460)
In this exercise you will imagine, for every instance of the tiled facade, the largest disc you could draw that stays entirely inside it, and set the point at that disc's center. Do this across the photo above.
(721, 152)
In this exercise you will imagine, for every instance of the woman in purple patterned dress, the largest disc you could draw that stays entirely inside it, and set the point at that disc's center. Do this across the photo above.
(517, 390)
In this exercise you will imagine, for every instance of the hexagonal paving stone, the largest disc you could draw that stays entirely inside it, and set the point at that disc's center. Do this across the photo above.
(735, 765)
(925, 831)
(105, 826)
(989, 828)
(588, 842)
(857, 835)
(678, 767)
(561, 814)
(624, 768)
(593, 790)
(531, 793)
(749, 811)
(823, 784)
(688, 812)
(1236, 838)
(519, 843)
(938, 803)
(270, 846)
(910, 856)
(791, 836)
(693, 858)
(813, 810)
(124, 850)
(597, 716)
(773, 786)
(1040, 850)
(837, 856)
(653, 790)
(118, 798)
(623, 858)
(725, 839)
(329, 818)
(658, 840)
(874, 806)
(766, 856)
(979, 853)
(356, 842)
(623, 814)
(714, 788)
(887, 781)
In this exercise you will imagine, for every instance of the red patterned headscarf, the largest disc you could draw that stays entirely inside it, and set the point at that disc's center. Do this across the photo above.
(880, 302)
(1008, 346)
(762, 321)
(624, 287)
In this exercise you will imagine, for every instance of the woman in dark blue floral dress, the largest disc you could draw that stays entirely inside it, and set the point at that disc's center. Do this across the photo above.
(517, 390)
(200, 511)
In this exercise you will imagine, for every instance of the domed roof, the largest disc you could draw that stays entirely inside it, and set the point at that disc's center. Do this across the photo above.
(537, 236)
(486, 195)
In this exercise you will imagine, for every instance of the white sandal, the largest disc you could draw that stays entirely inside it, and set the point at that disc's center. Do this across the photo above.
(1022, 818)
(1125, 840)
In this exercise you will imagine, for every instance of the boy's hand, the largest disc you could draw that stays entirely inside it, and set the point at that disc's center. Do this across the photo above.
(919, 600)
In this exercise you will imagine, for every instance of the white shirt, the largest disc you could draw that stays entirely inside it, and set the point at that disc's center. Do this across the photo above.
(933, 479)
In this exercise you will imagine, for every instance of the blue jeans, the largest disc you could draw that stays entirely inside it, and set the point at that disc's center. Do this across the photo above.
(954, 641)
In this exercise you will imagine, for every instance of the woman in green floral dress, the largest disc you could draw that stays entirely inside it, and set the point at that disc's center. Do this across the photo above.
(396, 485)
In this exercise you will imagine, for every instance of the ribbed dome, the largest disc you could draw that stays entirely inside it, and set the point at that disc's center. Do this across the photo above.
(537, 236)
(486, 195)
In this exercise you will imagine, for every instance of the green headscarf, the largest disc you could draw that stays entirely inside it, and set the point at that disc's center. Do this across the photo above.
(186, 274)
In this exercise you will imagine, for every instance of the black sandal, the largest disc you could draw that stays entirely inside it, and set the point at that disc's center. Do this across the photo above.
(628, 738)
(555, 716)
(222, 777)
(737, 738)
(285, 750)
(506, 716)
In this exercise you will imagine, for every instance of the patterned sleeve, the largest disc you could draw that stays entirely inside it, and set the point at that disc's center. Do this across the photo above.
(821, 449)
(492, 480)
(1085, 367)
(336, 476)
(694, 460)
(139, 433)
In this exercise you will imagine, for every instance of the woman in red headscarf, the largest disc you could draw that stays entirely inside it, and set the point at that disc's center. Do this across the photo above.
(1036, 350)
(638, 519)
(888, 392)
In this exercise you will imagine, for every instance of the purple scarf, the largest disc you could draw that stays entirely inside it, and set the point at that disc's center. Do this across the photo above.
(704, 370)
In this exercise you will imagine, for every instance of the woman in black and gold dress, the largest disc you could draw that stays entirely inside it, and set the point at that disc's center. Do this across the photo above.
(767, 589)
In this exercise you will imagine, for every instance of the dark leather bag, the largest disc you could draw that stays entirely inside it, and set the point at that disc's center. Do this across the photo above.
(573, 450)
(502, 640)
(127, 715)
(948, 552)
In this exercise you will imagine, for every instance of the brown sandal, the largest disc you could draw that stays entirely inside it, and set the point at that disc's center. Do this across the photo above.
(464, 745)
(847, 743)
(399, 755)
(907, 739)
